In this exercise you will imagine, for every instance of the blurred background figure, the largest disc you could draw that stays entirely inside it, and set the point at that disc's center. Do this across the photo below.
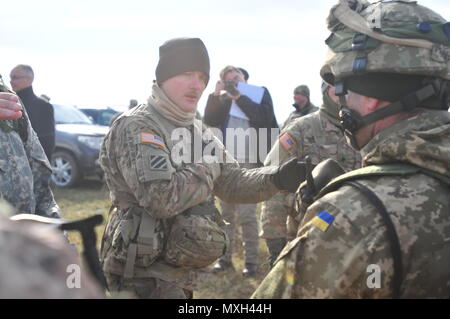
(133, 103)
(303, 105)
(39, 110)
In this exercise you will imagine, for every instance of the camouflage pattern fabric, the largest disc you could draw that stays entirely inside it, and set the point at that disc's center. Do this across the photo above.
(313, 135)
(331, 256)
(389, 26)
(37, 262)
(140, 171)
(25, 171)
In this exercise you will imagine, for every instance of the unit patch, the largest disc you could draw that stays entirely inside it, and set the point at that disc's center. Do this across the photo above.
(158, 162)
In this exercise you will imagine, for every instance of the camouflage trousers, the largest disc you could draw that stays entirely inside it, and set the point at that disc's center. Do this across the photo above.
(245, 216)
(273, 217)
(144, 288)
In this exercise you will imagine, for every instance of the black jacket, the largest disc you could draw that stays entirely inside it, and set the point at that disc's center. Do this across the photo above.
(41, 117)
(260, 115)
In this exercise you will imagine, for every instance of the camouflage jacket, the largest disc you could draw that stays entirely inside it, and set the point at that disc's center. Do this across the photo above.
(25, 170)
(342, 238)
(312, 135)
(139, 158)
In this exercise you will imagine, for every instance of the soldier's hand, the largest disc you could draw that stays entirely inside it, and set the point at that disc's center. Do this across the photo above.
(10, 108)
(289, 175)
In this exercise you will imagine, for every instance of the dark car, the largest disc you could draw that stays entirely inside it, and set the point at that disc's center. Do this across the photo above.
(77, 148)
(100, 116)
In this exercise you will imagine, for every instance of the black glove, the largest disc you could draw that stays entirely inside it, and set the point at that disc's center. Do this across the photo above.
(289, 175)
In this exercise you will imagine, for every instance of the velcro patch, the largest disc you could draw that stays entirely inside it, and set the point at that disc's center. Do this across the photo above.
(147, 137)
(158, 162)
(286, 141)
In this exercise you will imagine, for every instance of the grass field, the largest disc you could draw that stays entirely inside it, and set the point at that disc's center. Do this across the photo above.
(92, 198)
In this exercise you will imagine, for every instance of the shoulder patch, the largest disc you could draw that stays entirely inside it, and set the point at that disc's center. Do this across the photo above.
(158, 162)
(148, 137)
(322, 220)
(286, 141)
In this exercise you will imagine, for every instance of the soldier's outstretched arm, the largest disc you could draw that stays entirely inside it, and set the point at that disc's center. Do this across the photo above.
(143, 162)
(239, 185)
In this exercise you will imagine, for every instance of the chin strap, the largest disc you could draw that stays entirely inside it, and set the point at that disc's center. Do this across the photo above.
(352, 121)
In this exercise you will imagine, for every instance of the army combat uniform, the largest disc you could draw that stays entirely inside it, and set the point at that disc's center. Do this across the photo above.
(146, 184)
(24, 168)
(316, 135)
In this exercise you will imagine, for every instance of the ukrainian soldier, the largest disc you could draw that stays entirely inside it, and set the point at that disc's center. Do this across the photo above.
(317, 135)
(162, 224)
(381, 231)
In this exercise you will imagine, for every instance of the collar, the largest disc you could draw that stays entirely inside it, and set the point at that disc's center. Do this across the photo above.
(169, 110)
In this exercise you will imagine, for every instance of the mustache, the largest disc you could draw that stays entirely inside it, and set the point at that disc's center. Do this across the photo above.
(193, 94)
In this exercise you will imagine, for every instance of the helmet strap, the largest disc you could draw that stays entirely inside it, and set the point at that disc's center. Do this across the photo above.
(352, 121)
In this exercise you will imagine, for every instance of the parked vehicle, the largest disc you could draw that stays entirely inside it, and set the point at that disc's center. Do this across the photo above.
(100, 115)
(77, 148)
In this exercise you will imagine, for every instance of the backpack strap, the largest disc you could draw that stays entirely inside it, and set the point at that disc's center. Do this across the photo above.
(368, 171)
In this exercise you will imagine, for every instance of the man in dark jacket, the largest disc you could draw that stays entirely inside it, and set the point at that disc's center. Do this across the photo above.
(303, 105)
(39, 111)
(233, 111)
(219, 112)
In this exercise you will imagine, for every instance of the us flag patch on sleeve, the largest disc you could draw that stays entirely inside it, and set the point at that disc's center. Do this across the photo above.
(286, 141)
(147, 137)
(158, 162)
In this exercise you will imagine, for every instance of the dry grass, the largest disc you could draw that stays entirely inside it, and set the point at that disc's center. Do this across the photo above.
(92, 198)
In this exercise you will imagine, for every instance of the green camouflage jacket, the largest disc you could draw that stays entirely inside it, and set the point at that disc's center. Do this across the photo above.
(342, 249)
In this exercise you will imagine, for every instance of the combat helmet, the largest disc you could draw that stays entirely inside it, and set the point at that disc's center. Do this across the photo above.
(396, 51)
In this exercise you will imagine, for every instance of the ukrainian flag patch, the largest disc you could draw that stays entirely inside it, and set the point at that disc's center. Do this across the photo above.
(286, 141)
(322, 220)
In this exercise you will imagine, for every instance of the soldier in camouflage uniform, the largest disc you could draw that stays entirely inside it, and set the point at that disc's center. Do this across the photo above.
(317, 135)
(25, 170)
(303, 105)
(162, 225)
(381, 231)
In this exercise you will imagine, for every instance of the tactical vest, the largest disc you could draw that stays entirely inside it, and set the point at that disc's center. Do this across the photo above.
(399, 169)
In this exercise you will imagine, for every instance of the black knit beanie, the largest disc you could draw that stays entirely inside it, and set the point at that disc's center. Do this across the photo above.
(181, 55)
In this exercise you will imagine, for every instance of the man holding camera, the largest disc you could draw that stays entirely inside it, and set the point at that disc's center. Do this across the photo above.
(233, 110)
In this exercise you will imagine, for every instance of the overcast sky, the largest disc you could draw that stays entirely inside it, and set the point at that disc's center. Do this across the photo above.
(104, 53)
